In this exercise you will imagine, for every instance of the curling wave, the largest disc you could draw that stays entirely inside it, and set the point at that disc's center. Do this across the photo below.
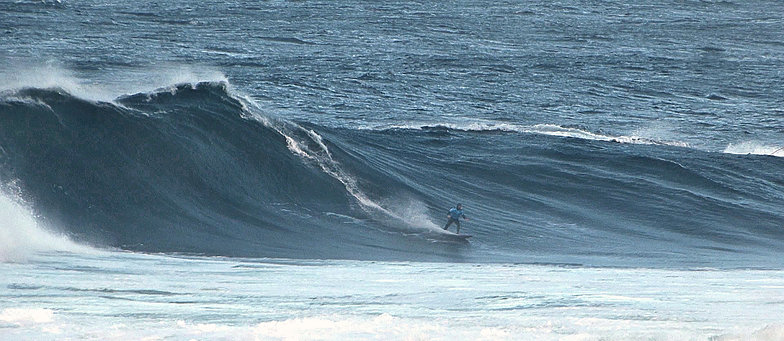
(195, 168)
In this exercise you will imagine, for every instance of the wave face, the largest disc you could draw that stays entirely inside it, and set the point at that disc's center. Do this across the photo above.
(195, 169)
(178, 170)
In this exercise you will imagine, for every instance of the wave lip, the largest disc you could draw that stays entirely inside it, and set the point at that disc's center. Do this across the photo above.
(50, 75)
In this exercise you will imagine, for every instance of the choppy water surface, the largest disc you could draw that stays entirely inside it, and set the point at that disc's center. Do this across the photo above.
(128, 296)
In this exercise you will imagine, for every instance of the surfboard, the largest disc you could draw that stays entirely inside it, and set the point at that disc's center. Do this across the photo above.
(461, 237)
(447, 236)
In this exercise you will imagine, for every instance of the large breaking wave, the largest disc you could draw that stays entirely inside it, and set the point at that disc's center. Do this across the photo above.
(193, 168)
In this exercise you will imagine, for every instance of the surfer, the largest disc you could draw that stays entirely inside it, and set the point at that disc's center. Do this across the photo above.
(454, 217)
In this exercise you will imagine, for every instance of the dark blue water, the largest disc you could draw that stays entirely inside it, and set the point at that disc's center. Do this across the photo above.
(576, 131)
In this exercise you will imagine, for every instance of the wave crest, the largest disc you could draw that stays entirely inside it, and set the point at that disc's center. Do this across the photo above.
(754, 148)
(540, 129)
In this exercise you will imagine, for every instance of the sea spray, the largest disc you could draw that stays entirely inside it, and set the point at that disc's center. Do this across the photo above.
(21, 235)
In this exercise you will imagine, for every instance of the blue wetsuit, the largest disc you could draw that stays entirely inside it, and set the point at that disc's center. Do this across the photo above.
(454, 217)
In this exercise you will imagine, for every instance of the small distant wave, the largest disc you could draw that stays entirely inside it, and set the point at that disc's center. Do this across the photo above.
(556, 130)
(754, 148)
(541, 129)
(290, 40)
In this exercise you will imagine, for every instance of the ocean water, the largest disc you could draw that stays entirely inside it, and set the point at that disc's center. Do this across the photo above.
(282, 170)
(131, 296)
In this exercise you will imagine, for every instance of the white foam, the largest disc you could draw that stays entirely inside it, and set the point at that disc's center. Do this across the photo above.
(24, 316)
(299, 141)
(51, 74)
(413, 213)
(21, 235)
(42, 323)
(325, 300)
(310, 146)
(342, 328)
(755, 148)
(323, 158)
(640, 136)
(166, 77)
(769, 333)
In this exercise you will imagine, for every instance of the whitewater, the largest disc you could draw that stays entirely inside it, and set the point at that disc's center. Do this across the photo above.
(282, 170)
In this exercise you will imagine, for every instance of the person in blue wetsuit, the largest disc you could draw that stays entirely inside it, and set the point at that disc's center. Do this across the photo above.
(454, 217)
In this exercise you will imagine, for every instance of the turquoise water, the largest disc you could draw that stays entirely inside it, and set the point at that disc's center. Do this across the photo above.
(109, 295)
